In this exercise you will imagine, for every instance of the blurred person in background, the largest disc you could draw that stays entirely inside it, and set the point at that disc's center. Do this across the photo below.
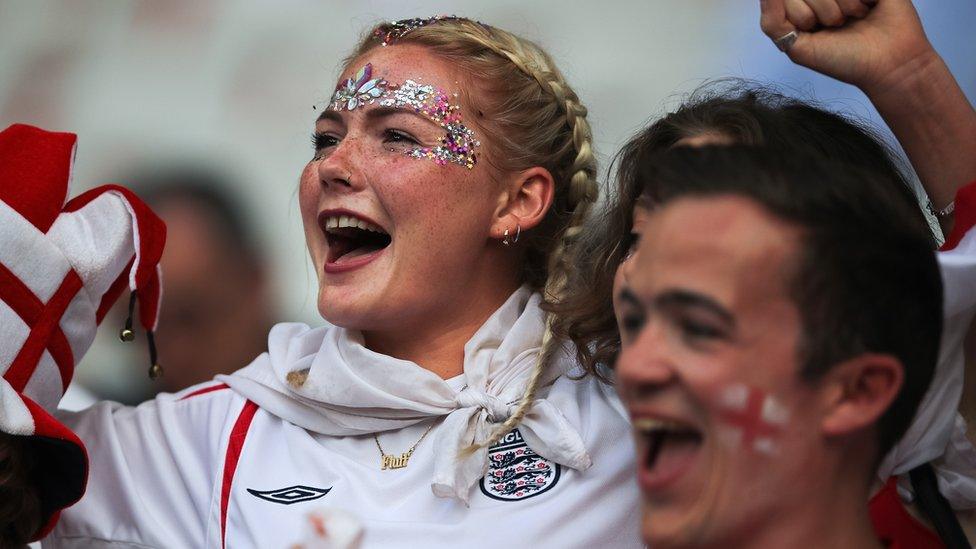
(219, 305)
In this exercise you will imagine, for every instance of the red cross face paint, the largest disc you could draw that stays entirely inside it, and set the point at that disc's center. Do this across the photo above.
(709, 372)
(753, 419)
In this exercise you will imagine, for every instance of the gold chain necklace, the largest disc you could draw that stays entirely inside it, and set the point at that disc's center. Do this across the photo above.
(402, 460)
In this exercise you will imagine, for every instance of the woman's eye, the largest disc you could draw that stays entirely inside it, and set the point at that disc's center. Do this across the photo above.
(322, 141)
(397, 136)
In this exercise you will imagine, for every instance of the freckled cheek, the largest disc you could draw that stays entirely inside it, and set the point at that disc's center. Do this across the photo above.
(434, 192)
(439, 210)
(420, 214)
(308, 177)
(309, 192)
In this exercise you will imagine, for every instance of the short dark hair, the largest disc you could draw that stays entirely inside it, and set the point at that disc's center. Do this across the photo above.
(742, 111)
(750, 114)
(866, 278)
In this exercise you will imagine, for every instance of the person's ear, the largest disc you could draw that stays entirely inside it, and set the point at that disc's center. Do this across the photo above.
(858, 391)
(524, 203)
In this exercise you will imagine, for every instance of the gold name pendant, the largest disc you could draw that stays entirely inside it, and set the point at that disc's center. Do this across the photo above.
(402, 460)
(396, 462)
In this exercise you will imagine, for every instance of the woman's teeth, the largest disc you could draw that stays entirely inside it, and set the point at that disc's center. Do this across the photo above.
(346, 221)
(349, 237)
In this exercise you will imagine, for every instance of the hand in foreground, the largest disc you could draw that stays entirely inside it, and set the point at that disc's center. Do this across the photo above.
(870, 44)
(331, 529)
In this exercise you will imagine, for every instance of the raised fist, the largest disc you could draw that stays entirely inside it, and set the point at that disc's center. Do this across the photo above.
(865, 43)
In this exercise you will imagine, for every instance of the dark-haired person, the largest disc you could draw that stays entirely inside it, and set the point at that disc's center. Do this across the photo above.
(783, 317)
(745, 113)
(881, 47)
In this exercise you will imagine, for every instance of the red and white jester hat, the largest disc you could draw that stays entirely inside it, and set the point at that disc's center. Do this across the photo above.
(62, 266)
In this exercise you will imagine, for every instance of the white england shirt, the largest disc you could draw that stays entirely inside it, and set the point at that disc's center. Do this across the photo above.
(208, 468)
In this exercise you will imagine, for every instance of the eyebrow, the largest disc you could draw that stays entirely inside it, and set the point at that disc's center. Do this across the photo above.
(331, 115)
(686, 298)
(371, 114)
(628, 296)
(681, 298)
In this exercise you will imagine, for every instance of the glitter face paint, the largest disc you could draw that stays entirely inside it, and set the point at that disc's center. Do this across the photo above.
(752, 418)
(395, 30)
(457, 146)
(392, 31)
(359, 92)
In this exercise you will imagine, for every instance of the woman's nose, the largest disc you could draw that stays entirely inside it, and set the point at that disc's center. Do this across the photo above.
(341, 167)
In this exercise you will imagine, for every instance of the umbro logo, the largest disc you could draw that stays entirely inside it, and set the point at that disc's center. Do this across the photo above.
(292, 494)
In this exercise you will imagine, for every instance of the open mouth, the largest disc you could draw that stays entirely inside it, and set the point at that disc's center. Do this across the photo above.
(350, 237)
(669, 450)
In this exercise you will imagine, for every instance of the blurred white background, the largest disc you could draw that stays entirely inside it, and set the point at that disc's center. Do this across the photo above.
(231, 84)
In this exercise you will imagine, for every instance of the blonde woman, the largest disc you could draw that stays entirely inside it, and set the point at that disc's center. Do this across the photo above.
(451, 168)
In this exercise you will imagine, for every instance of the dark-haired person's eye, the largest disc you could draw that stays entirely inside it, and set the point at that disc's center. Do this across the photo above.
(632, 323)
(697, 332)
(632, 240)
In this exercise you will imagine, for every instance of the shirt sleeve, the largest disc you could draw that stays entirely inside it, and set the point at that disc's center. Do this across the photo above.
(153, 469)
(934, 432)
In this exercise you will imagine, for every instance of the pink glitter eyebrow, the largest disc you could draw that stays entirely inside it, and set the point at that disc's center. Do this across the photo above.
(457, 146)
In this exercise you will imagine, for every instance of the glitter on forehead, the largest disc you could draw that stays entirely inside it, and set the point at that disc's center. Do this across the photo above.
(456, 146)
(362, 91)
(395, 30)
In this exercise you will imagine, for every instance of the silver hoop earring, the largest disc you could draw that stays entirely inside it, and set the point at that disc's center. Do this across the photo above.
(509, 241)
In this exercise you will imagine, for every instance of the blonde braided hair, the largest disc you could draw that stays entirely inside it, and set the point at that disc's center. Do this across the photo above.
(531, 117)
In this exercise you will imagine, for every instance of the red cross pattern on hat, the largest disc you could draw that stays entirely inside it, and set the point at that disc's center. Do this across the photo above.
(62, 266)
(752, 418)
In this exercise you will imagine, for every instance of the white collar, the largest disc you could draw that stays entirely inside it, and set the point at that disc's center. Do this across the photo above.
(351, 390)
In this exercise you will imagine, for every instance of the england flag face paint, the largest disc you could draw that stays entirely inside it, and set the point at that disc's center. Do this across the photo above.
(752, 419)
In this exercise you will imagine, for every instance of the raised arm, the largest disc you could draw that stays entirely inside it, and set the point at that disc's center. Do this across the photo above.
(880, 47)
